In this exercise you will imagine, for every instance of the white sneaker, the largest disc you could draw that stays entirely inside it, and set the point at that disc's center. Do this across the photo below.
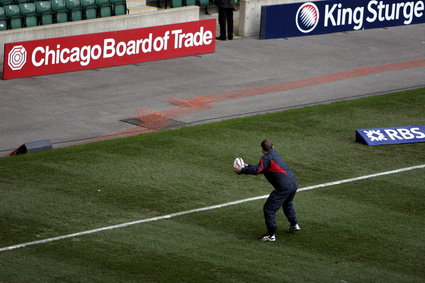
(294, 228)
(268, 238)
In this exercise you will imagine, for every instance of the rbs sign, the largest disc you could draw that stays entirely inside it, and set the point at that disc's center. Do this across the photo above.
(393, 135)
(320, 17)
(82, 52)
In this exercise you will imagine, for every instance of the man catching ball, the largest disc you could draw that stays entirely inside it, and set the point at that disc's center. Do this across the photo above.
(285, 185)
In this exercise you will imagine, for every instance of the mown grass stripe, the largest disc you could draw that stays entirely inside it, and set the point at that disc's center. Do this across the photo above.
(168, 216)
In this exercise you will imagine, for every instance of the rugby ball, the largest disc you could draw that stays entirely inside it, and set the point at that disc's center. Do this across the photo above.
(238, 162)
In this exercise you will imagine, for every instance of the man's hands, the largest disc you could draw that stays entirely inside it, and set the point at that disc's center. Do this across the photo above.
(237, 169)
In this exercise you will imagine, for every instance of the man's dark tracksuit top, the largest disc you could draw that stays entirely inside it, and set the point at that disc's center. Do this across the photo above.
(274, 168)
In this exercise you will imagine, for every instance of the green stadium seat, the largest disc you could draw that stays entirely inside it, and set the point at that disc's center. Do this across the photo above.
(60, 11)
(17, 2)
(6, 2)
(89, 9)
(204, 3)
(104, 8)
(44, 12)
(176, 3)
(13, 15)
(190, 2)
(29, 14)
(119, 7)
(75, 10)
(3, 21)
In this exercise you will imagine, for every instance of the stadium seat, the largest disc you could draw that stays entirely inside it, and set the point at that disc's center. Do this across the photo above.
(89, 9)
(190, 2)
(17, 2)
(60, 11)
(75, 10)
(44, 12)
(104, 8)
(205, 3)
(13, 15)
(29, 14)
(3, 22)
(119, 7)
(176, 3)
(6, 2)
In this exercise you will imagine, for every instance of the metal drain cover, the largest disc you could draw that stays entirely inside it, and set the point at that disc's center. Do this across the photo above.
(137, 122)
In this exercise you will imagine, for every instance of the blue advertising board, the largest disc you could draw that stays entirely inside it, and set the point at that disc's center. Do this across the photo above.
(391, 135)
(319, 17)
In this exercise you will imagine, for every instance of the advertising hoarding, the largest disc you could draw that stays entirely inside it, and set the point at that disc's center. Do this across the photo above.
(319, 17)
(391, 135)
(91, 51)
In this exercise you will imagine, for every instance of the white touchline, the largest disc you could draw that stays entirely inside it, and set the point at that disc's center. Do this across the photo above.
(204, 209)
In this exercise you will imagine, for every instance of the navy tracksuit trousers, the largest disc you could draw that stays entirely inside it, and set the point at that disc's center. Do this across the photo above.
(276, 200)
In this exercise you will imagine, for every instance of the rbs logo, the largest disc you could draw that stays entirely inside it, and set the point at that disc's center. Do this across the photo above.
(397, 135)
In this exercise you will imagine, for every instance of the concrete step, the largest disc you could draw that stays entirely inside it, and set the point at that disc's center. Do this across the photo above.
(139, 6)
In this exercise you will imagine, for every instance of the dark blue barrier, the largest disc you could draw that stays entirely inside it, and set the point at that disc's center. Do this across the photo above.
(309, 18)
(391, 135)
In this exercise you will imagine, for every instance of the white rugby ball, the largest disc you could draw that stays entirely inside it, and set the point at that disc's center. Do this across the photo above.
(238, 162)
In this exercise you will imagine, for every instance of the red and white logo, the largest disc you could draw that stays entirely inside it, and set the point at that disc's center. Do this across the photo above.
(307, 17)
(17, 57)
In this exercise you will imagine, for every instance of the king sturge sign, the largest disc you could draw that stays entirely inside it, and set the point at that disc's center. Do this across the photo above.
(320, 17)
(82, 52)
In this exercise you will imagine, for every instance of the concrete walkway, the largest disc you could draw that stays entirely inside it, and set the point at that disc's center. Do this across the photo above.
(245, 76)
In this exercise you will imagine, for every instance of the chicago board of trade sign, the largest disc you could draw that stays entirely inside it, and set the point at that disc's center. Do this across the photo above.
(81, 52)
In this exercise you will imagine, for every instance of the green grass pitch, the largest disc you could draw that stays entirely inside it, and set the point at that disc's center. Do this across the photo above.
(365, 231)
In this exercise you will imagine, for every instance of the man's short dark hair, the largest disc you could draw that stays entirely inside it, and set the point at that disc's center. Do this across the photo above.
(267, 145)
